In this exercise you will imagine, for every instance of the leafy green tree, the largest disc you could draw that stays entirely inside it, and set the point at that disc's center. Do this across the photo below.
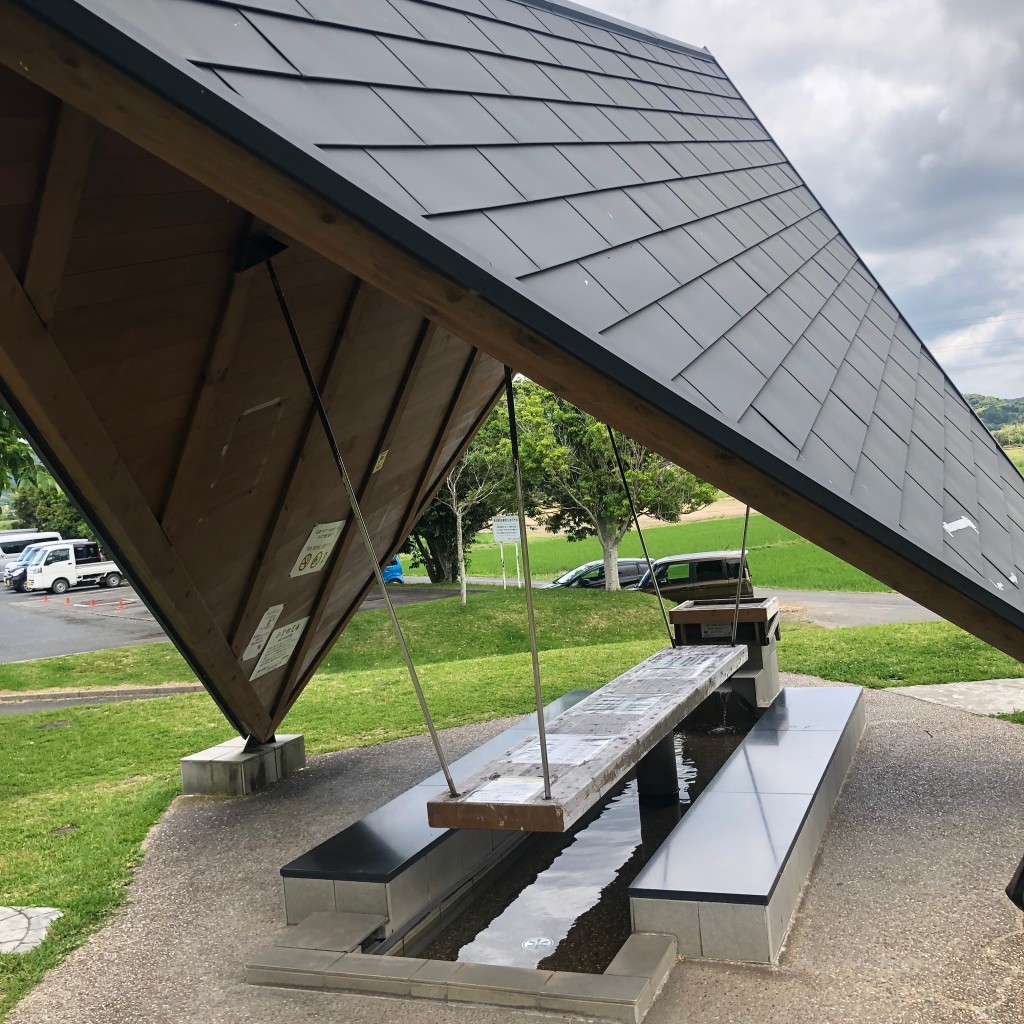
(568, 460)
(49, 509)
(479, 486)
(1012, 435)
(18, 463)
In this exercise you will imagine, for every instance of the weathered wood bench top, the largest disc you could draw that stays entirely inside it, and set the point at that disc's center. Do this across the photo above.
(590, 746)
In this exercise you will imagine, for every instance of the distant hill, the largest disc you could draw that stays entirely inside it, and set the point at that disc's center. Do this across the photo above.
(997, 412)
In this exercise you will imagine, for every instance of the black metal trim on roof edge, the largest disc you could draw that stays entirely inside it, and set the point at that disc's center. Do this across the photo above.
(171, 78)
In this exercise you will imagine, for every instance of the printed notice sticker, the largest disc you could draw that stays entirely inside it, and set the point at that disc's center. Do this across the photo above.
(315, 552)
(506, 790)
(622, 704)
(715, 629)
(563, 748)
(279, 648)
(263, 631)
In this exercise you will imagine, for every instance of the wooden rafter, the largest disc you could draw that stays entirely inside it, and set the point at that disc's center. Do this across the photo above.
(58, 205)
(295, 483)
(183, 484)
(417, 359)
(46, 392)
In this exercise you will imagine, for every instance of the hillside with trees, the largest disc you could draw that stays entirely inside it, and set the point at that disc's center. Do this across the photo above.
(996, 412)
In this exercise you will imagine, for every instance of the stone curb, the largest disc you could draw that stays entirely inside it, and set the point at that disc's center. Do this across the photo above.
(117, 691)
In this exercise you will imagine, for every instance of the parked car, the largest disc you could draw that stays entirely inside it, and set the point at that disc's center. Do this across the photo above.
(16, 572)
(591, 574)
(14, 542)
(705, 574)
(393, 571)
(63, 564)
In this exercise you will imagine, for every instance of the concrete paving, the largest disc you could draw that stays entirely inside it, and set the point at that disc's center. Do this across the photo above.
(986, 697)
(904, 920)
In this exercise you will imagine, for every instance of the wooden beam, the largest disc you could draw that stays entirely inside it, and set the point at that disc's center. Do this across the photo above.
(75, 75)
(58, 207)
(184, 482)
(417, 505)
(295, 677)
(289, 500)
(45, 390)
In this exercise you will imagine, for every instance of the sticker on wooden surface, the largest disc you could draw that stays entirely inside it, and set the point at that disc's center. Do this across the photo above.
(622, 704)
(506, 790)
(317, 549)
(715, 629)
(563, 748)
(280, 647)
(263, 631)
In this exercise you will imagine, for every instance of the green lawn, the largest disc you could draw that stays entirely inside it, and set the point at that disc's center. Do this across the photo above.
(1016, 457)
(112, 769)
(778, 557)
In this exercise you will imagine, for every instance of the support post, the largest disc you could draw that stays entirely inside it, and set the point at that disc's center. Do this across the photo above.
(657, 778)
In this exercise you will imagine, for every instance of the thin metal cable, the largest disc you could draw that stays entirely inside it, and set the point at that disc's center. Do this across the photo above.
(739, 578)
(517, 473)
(357, 512)
(640, 534)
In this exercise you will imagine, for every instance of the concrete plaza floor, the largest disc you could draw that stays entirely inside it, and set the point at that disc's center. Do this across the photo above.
(904, 918)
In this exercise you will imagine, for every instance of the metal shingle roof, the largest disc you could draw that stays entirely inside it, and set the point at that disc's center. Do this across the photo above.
(586, 175)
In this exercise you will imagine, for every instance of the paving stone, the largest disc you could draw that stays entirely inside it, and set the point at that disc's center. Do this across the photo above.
(23, 928)
(987, 697)
(497, 986)
(331, 930)
(645, 956)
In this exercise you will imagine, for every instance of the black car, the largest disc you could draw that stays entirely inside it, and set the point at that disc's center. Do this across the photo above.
(592, 574)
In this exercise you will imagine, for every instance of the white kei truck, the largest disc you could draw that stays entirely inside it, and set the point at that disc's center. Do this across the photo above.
(60, 565)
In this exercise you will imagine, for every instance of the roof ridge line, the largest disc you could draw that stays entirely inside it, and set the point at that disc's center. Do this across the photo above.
(577, 12)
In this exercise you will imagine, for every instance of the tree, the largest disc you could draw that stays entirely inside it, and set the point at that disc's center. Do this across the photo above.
(18, 463)
(479, 486)
(481, 483)
(49, 509)
(1010, 436)
(575, 482)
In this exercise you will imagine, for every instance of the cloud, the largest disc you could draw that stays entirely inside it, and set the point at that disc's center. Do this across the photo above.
(907, 121)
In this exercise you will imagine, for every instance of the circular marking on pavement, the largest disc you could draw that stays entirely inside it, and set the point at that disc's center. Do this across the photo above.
(538, 942)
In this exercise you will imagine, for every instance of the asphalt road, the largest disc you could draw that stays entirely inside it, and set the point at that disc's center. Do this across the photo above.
(93, 619)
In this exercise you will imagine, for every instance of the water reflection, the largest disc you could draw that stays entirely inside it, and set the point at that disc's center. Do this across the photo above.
(562, 903)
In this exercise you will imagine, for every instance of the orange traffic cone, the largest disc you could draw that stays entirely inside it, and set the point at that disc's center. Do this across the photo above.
(120, 605)
(67, 600)
(92, 602)
(46, 598)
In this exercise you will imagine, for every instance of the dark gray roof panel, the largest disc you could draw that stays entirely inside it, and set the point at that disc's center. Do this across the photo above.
(617, 181)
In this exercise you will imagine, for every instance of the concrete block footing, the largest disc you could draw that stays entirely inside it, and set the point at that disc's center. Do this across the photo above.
(624, 992)
(228, 769)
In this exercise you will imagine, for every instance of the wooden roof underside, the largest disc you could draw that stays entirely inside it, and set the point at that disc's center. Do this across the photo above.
(162, 388)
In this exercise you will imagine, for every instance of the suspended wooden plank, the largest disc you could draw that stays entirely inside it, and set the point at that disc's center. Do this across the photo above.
(590, 747)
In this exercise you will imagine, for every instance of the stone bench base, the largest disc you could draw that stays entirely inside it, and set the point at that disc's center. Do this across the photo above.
(228, 769)
(727, 881)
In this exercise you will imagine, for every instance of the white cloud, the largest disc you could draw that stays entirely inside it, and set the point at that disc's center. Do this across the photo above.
(907, 121)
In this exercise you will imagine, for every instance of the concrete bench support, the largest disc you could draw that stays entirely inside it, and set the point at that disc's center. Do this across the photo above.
(228, 769)
(727, 880)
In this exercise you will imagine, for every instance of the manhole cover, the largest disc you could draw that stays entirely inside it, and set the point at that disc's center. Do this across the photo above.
(538, 942)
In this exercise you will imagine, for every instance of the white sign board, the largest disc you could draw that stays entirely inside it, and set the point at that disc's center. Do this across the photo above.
(317, 549)
(715, 629)
(506, 790)
(505, 529)
(263, 630)
(279, 648)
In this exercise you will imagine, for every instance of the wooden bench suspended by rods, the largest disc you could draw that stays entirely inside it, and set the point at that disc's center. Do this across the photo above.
(591, 746)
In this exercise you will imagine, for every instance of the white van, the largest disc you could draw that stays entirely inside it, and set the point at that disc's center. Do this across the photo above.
(14, 542)
(68, 563)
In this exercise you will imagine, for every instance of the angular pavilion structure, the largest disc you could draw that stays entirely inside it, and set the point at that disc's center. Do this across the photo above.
(449, 186)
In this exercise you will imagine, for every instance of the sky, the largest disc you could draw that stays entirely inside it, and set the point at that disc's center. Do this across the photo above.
(906, 120)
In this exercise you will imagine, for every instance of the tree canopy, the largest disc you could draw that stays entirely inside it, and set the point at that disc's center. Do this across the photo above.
(570, 467)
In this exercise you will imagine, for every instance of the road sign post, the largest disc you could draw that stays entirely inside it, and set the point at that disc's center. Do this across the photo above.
(506, 531)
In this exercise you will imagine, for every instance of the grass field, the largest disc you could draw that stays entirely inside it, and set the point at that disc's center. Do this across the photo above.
(1016, 457)
(81, 787)
(778, 557)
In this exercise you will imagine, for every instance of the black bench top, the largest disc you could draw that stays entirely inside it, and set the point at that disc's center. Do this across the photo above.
(733, 843)
(384, 843)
